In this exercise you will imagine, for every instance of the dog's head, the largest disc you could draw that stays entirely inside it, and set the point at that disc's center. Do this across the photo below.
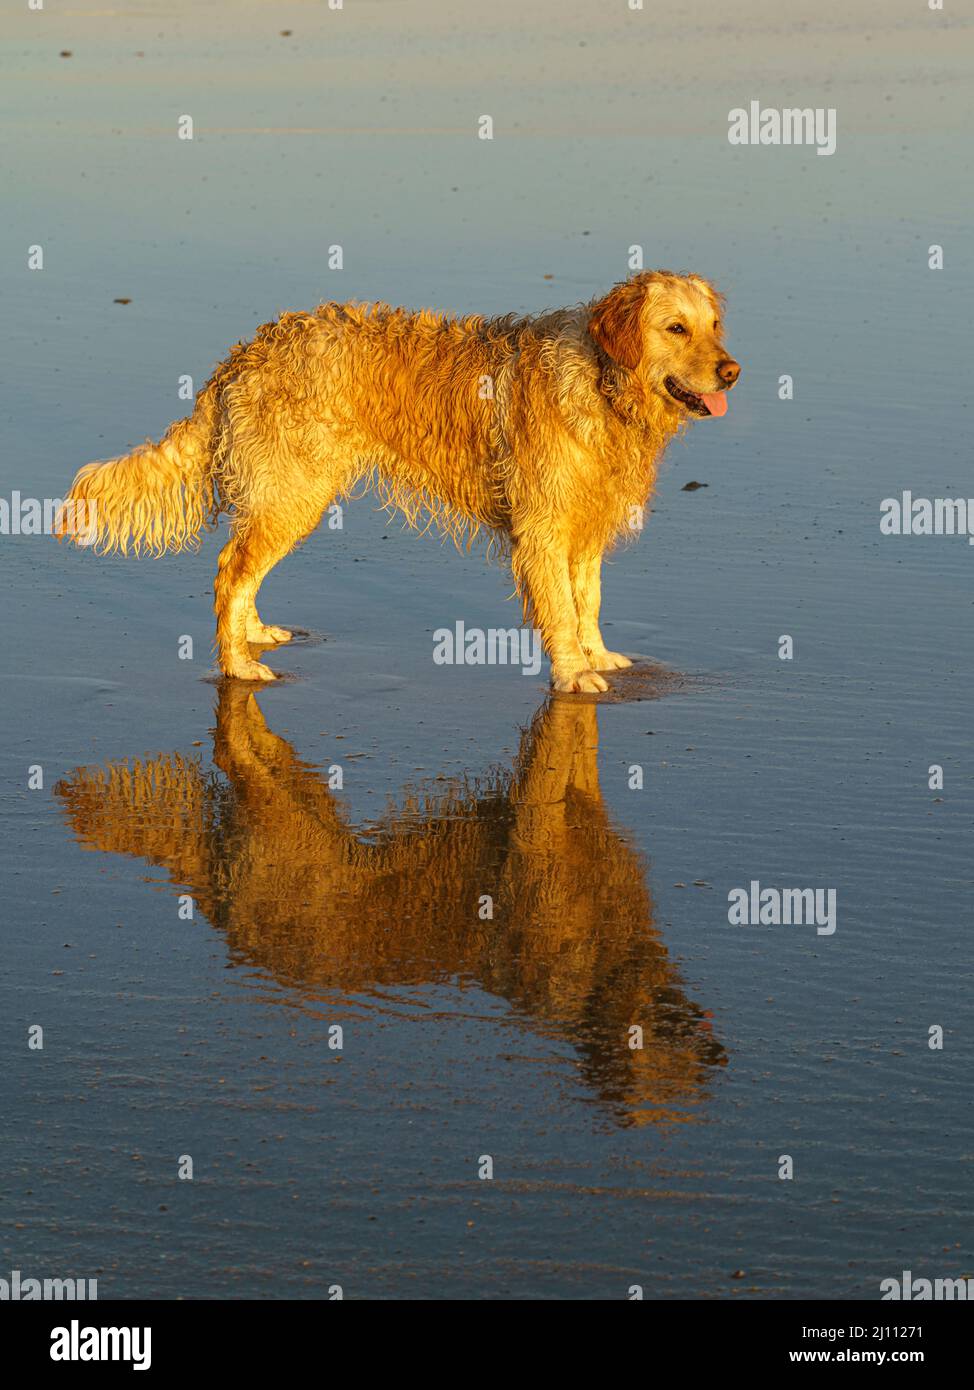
(668, 330)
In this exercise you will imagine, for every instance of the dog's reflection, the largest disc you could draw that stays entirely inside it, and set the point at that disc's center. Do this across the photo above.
(272, 860)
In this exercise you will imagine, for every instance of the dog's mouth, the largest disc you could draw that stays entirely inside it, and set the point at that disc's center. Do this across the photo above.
(708, 403)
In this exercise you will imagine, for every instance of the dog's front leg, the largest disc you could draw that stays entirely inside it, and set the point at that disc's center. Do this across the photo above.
(586, 576)
(541, 571)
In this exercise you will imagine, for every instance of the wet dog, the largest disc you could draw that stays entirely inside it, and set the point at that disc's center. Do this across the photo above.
(544, 432)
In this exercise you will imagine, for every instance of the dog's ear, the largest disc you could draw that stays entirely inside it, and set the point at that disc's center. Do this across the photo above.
(615, 323)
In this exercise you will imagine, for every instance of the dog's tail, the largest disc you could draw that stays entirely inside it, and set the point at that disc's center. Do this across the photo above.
(158, 498)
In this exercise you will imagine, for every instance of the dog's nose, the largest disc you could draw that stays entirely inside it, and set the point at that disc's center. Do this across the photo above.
(728, 371)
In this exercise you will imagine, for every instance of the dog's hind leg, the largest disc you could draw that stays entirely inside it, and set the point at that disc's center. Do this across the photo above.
(586, 576)
(261, 634)
(541, 571)
(244, 563)
(279, 486)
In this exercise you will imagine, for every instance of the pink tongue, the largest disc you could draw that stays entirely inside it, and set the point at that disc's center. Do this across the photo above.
(716, 403)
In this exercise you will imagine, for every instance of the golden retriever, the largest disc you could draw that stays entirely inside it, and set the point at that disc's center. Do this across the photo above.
(545, 432)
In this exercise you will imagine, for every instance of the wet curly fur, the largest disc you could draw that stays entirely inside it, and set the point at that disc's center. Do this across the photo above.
(544, 433)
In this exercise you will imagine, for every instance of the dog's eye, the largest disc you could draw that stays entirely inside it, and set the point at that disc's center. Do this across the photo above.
(676, 328)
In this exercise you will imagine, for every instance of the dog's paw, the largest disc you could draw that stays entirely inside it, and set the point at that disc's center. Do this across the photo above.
(603, 660)
(583, 682)
(264, 635)
(252, 671)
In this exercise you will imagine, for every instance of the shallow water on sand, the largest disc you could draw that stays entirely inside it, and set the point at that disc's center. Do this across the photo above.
(358, 906)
